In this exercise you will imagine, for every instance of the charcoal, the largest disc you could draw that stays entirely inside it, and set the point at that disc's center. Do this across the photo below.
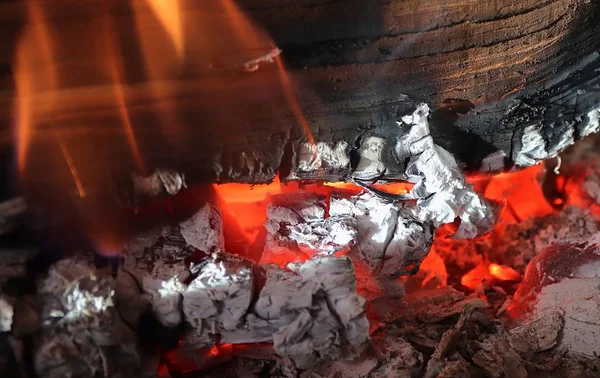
(315, 311)
(440, 186)
(497, 358)
(298, 224)
(59, 355)
(204, 230)
(157, 260)
(160, 181)
(217, 300)
(78, 298)
(538, 335)
(320, 160)
(370, 165)
(390, 241)
(399, 358)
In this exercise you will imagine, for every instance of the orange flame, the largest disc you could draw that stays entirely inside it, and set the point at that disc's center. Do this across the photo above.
(34, 72)
(292, 101)
(504, 273)
(168, 13)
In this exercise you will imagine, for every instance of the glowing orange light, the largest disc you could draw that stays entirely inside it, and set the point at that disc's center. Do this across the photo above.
(115, 71)
(504, 273)
(521, 192)
(292, 101)
(74, 173)
(474, 278)
(34, 71)
(434, 267)
(168, 12)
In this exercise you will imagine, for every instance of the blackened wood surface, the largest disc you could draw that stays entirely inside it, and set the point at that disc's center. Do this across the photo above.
(487, 68)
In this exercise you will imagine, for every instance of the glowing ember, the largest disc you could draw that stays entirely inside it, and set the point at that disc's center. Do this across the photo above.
(504, 273)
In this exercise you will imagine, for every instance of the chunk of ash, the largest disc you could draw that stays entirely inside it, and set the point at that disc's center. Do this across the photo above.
(160, 181)
(157, 261)
(314, 312)
(297, 224)
(566, 278)
(78, 298)
(217, 300)
(79, 319)
(519, 243)
(440, 185)
(390, 241)
(204, 230)
(311, 313)
(322, 159)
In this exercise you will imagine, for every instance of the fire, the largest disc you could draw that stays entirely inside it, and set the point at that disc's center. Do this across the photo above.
(504, 273)
(519, 193)
(35, 72)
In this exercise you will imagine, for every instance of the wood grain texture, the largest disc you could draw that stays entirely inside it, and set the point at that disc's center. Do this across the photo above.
(488, 69)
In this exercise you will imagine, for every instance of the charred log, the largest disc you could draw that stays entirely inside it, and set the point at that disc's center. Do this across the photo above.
(510, 83)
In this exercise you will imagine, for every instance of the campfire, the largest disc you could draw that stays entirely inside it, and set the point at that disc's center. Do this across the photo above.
(218, 188)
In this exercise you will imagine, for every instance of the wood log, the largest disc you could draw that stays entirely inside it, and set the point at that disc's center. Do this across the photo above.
(508, 76)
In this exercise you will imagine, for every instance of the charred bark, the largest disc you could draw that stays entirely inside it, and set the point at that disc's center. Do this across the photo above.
(514, 80)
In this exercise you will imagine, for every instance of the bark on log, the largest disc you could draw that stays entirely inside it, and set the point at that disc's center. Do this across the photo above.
(492, 72)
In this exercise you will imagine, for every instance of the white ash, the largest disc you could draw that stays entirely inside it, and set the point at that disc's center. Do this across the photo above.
(592, 125)
(370, 165)
(298, 223)
(579, 301)
(204, 230)
(493, 162)
(312, 157)
(79, 298)
(440, 186)
(161, 180)
(252, 65)
(535, 147)
(6, 315)
(157, 261)
(316, 312)
(389, 238)
(218, 298)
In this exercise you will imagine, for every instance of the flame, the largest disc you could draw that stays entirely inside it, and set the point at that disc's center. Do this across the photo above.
(434, 268)
(115, 68)
(168, 13)
(292, 101)
(504, 273)
(34, 71)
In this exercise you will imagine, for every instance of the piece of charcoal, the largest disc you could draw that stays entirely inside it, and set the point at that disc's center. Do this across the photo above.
(315, 311)
(59, 355)
(320, 160)
(204, 230)
(158, 262)
(217, 300)
(77, 297)
(440, 186)
(296, 226)
(390, 240)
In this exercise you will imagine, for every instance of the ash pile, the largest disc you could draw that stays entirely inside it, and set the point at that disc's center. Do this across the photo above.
(328, 296)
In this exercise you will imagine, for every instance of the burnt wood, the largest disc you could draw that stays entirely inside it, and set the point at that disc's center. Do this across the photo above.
(487, 69)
